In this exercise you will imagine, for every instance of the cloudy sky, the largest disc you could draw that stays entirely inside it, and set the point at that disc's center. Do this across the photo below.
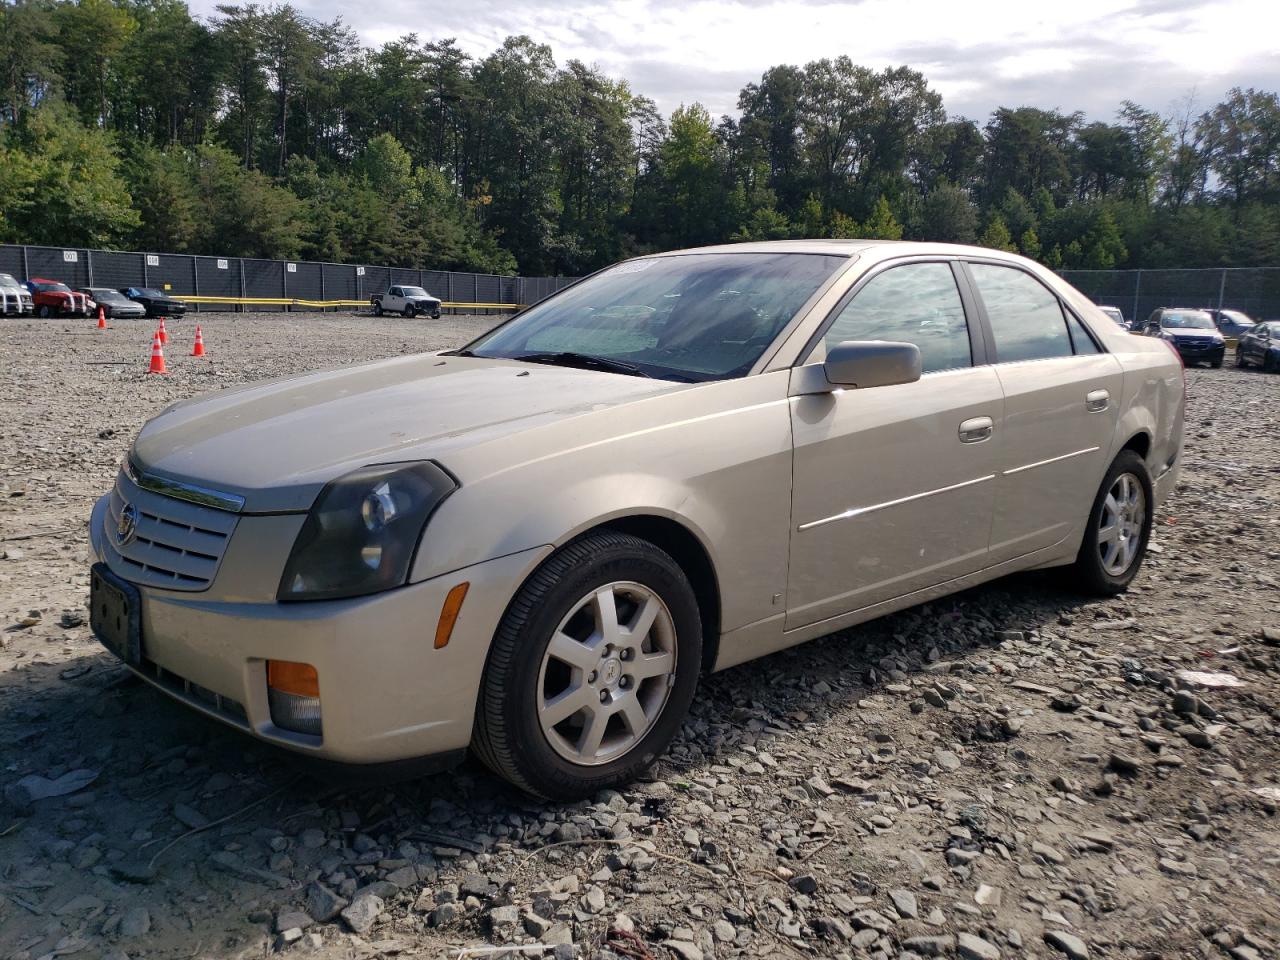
(1076, 55)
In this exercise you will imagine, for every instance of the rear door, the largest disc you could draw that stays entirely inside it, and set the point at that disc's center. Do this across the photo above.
(1061, 396)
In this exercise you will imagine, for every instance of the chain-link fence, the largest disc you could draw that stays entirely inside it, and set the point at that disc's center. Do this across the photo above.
(198, 276)
(1252, 290)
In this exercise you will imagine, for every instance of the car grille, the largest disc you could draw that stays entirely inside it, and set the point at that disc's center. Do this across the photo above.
(1197, 343)
(176, 546)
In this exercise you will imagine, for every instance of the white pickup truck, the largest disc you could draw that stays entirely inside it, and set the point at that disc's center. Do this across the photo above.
(408, 301)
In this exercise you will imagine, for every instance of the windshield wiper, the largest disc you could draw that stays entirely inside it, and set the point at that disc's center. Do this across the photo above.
(567, 358)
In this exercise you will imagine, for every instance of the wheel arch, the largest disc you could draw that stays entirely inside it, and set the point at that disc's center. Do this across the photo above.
(692, 556)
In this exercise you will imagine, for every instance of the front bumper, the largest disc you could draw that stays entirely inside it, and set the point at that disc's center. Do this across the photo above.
(1214, 352)
(386, 693)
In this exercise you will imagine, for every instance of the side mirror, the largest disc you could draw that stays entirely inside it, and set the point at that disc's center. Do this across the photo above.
(859, 364)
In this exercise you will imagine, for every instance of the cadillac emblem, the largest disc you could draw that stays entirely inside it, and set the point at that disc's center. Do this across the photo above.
(127, 526)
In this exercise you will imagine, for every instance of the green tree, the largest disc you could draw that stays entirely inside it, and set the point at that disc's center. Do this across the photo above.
(882, 225)
(996, 236)
(66, 189)
(947, 215)
(1029, 243)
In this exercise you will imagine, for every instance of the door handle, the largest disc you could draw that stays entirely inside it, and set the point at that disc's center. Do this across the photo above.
(1096, 401)
(976, 430)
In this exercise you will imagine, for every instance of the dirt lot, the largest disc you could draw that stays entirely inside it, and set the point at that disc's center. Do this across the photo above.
(1016, 771)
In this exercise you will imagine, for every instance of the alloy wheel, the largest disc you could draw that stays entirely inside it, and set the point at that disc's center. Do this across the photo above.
(1121, 523)
(607, 673)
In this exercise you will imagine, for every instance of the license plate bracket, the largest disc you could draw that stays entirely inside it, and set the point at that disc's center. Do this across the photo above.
(115, 614)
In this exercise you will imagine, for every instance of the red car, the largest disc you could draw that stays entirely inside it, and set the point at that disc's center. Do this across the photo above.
(55, 299)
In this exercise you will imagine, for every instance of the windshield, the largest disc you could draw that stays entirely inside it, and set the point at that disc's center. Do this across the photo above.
(415, 292)
(1114, 314)
(1191, 320)
(148, 292)
(106, 296)
(1236, 317)
(702, 316)
(53, 288)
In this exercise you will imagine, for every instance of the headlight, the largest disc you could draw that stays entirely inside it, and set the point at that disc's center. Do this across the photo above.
(362, 532)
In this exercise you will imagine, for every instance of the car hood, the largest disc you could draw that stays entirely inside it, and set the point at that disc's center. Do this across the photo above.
(276, 444)
(1179, 333)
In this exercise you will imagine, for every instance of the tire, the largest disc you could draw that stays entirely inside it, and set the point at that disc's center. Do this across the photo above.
(1096, 568)
(1240, 360)
(377, 309)
(43, 311)
(537, 753)
(1268, 363)
(435, 314)
(1217, 364)
(410, 311)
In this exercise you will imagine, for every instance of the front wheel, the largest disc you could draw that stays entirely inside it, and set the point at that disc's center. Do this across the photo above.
(592, 669)
(1115, 539)
(435, 314)
(1217, 364)
(1240, 361)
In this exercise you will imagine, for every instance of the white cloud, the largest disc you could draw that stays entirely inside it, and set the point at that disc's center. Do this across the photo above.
(1086, 55)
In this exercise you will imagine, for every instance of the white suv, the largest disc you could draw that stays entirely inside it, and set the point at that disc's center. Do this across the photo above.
(14, 297)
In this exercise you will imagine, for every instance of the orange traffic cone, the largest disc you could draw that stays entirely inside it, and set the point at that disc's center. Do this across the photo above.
(162, 333)
(198, 349)
(102, 319)
(157, 356)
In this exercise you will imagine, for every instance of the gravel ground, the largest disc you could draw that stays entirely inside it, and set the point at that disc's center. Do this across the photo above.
(1015, 771)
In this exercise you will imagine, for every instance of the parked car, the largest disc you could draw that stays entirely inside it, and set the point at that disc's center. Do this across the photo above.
(1191, 332)
(1231, 323)
(15, 298)
(534, 545)
(1115, 314)
(157, 303)
(1260, 345)
(409, 301)
(114, 304)
(53, 298)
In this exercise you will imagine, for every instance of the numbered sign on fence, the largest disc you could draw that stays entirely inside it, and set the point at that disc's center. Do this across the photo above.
(222, 264)
(359, 271)
(292, 267)
(153, 260)
(70, 256)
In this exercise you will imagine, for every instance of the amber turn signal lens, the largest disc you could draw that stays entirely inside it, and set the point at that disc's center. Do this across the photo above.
(449, 613)
(300, 679)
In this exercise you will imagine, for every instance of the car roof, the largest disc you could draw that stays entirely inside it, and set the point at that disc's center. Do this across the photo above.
(849, 248)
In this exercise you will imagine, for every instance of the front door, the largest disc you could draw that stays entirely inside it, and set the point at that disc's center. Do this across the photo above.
(893, 486)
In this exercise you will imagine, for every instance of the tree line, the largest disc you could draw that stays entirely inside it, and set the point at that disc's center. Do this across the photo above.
(262, 132)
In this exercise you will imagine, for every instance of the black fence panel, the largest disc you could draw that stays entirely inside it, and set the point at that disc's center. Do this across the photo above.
(264, 278)
(217, 277)
(118, 270)
(436, 283)
(70, 266)
(375, 280)
(340, 282)
(489, 289)
(11, 262)
(306, 281)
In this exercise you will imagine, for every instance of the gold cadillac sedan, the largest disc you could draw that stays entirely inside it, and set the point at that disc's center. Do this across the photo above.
(533, 546)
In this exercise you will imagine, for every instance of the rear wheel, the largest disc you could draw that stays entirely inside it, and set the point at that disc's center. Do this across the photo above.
(1115, 539)
(44, 312)
(1240, 361)
(377, 309)
(592, 669)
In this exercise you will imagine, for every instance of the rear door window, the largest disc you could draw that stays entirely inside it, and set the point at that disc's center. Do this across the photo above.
(1026, 319)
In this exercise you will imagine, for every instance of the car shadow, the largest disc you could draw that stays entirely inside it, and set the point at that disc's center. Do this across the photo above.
(210, 832)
